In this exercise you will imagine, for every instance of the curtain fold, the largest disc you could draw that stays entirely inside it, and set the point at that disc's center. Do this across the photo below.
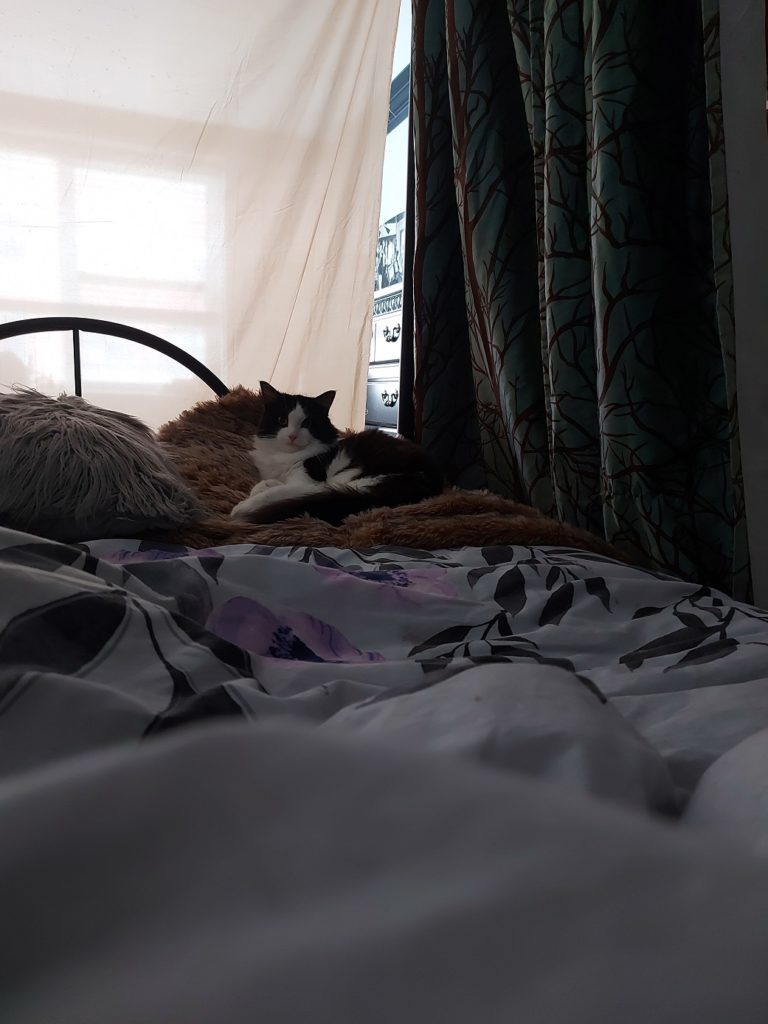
(573, 336)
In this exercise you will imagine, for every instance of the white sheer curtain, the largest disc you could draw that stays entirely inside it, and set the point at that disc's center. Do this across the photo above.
(208, 171)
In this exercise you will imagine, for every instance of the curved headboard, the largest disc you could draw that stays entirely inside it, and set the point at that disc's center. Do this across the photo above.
(40, 324)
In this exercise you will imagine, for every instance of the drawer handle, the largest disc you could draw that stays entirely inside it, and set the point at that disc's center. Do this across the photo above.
(389, 400)
(391, 334)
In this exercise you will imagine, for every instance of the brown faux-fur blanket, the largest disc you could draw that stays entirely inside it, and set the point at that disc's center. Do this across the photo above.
(210, 444)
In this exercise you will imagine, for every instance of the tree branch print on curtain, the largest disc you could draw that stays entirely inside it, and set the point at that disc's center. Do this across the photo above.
(573, 335)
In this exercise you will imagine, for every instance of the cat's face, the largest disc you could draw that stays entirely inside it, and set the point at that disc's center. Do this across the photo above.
(296, 421)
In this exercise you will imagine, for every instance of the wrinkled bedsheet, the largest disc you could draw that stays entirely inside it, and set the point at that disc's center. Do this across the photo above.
(445, 734)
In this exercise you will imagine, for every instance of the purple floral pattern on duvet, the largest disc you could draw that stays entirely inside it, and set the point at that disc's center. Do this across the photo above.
(294, 636)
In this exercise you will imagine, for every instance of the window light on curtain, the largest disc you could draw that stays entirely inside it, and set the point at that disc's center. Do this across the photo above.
(206, 171)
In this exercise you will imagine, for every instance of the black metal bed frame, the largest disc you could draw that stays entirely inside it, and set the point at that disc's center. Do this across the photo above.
(76, 324)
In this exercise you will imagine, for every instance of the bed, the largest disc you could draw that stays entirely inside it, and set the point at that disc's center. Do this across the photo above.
(294, 781)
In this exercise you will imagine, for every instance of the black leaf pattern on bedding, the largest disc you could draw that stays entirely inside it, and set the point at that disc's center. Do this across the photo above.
(553, 576)
(38, 556)
(558, 604)
(379, 559)
(596, 586)
(503, 626)
(685, 639)
(196, 707)
(493, 642)
(182, 688)
(187, 705)
(321, 558)
(174, 578)
(510, 591)
(419, 607)
(230, 654)
(689, 619)
(643, 613)
(210, 564)
(477, 574)
(592, 687)
(498, 555)
(706, 653)
(451, 635)
(512, 652)
(77, 631)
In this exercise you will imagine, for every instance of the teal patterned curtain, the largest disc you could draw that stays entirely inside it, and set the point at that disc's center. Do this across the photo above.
(573, 336)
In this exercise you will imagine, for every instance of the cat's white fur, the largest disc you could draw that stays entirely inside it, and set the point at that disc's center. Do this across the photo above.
(280, 462)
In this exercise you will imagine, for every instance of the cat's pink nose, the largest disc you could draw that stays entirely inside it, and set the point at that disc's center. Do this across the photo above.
(292, 438)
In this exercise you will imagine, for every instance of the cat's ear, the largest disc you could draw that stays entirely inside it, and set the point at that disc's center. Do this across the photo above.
(326, 399)
(268, 393)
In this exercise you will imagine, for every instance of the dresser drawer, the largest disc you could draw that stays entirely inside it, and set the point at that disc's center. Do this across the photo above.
(383, 398)
(386, 338)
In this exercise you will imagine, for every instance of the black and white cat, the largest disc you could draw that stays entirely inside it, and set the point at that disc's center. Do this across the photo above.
(307, 466)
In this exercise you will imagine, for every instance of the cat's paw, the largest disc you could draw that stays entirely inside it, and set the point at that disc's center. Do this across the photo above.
(256, 499)
(244, 507)
(240, 510)
(264, 485)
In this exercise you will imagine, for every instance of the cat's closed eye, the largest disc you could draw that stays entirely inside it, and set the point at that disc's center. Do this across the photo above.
(282, 421)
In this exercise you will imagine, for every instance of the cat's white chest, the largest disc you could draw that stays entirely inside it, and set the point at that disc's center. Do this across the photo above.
(271, 464)
(275, 463)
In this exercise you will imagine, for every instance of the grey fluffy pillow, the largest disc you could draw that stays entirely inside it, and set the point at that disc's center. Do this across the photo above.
(72, 471)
